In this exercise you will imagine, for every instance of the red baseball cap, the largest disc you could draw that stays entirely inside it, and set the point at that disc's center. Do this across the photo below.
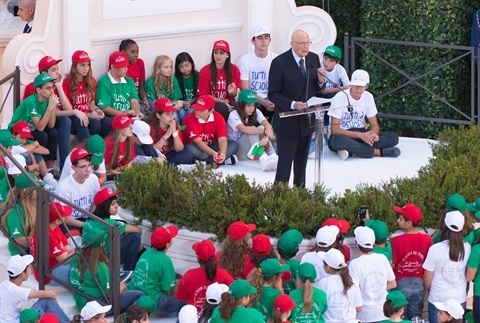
(343, 225)
(23, 129)
(204, 102)
(163, 235)
(410, 211)
(164, 105)
(121, 121)
(283, 303)
(79, 153)
(221, 44)
(238, 230)
(49, 318)
(103, 195)
(118, 60)
(261, 245)
(57, 210)
(47, 62)
(81, 56)
(205, 250)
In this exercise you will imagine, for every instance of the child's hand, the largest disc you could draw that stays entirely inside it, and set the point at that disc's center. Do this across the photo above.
(53, 101)
(232, 89)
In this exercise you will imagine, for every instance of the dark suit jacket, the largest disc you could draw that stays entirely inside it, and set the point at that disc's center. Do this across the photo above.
(286, 84)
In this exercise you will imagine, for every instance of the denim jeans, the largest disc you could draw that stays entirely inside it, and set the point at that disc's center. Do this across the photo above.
(129, 246)
(414, 290)
(432, 312)
(201, 155)
(127, 298)
(50, 305)
(62, 272)
(182, 113)
(168, 304)
(106, 125)
(63, 125)
(179, 157)
(48, 138)
(83, 132)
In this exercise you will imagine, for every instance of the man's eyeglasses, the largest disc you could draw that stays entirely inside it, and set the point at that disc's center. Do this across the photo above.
(303, 43)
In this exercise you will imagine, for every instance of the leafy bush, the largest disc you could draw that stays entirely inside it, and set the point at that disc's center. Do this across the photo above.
(202, 200)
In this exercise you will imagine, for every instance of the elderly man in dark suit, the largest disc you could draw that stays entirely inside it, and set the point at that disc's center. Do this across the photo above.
(294, 77)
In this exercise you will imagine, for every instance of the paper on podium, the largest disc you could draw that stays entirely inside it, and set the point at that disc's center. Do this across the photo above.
(316, 101)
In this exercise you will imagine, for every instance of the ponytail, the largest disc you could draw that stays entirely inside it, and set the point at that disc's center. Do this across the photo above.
(307, 290)
(346, 279)
(210, 268)
(277, 316)
(255, 278)
(388, 309)
(227, 306)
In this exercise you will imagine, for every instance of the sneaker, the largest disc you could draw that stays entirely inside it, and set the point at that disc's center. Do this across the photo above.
(125, 275)
(186, 167)
(231, 161)
(342, 154)
(55, 173)
(391, 152)
(48, 179)
(268, 163)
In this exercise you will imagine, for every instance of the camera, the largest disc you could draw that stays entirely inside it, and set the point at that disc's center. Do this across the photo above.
(362, 213)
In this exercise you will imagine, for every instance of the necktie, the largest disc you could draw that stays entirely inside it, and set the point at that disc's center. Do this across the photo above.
(27, 29)
(302, 67)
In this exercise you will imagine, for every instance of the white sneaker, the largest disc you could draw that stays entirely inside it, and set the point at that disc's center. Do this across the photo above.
(186, 167)
(311, 155)
(268, 163)
(50, 180)
(232, 160)
(342, 154)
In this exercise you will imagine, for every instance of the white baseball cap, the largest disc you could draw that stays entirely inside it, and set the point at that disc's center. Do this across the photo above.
(188, 314)
(335, 259)
(142, 130)
(259, 30)
(365, 237)
(452, 307)
(92, 309)
(17, 264)
(327, 235)
(214, 293)
(12, 169)
(360, 78)
(454, 220)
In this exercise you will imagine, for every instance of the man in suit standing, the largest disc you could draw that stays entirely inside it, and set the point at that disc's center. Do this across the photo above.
(26, 11)
(294, 77)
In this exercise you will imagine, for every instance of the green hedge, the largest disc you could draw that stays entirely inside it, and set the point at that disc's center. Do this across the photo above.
(429, 21)
(204, 201)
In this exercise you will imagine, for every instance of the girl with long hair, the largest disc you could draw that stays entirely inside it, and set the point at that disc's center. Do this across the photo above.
(120, 149)
(80, 87)
(394, 307)
(193, 285)
(445, 265)
(261, 250)
(233, 307)
(249, 128)
(163, 84)
(134, 314)
(187, 77)
(20, 219)
(166, 135)
(267, 280)
(311, 301)
(235, 250)
(343, 292)
(220, 79)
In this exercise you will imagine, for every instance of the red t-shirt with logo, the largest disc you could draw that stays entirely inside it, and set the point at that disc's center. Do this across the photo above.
(158, 133)
(193, 285)
(136, 72)
(408, 254)
(209, 131)
(205, 82)
(82, 102)
(122, 150)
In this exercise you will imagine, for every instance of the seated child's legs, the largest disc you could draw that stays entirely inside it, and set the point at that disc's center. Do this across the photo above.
(198, 153)
(50, 305)
(129, 247)
(169, 304)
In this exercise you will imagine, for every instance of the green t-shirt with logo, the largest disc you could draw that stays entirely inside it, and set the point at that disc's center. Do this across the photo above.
(319, 306)
(15, 226)
(154, 274)
(88, 285)
(28, 109)
(240, 315)
(174, 95)
(387, 251)
(265, 302)
(122, 226)
(189, 90)
(115, 95)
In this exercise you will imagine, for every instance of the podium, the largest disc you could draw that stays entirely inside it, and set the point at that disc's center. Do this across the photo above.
(319, 135)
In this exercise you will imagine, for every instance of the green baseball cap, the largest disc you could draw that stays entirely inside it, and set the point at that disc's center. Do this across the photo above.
(475, 206)
(397, 298)
(456, 202)
(247, 96)
(22, 181)
(29, 315)
(42, 79)
(241, 288)
(95, 233)
(271, 267)
(334, 51)
(7, 140)
(379, 228)
(306, 271)
(289, 241)
(96, 147)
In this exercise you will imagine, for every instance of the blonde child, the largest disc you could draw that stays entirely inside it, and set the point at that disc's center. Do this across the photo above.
(163, 84)
(311, 301)
(267, 280)
(282, 308)
(120, 150)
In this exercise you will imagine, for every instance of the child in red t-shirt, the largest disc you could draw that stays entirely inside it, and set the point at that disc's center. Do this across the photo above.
(120, 150)
(409, 251)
